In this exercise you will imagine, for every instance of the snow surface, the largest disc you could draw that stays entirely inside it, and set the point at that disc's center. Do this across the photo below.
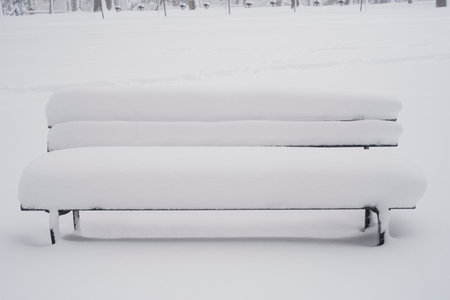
(399, 50)
(214, 104)
(219, 178)
(234, 133)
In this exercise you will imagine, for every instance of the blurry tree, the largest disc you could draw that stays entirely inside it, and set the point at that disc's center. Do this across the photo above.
(16, 7)
(97, 5)
(441, 3)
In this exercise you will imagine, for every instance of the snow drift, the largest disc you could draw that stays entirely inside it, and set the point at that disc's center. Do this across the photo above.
(219, 178)
(213, 104)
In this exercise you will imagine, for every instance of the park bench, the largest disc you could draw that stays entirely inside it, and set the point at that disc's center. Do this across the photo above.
(220, 149)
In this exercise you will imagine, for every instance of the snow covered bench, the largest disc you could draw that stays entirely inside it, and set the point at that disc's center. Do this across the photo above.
(192, 149)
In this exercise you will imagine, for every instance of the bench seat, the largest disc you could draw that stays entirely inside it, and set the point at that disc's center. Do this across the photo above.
(219, 178)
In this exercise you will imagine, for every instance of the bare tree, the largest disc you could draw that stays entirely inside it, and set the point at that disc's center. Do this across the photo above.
(99, 5)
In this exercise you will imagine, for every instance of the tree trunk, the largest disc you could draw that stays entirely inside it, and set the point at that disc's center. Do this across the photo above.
(441, 3)
(191, 4)
(52, 10)
(97, 5)
(103, 7)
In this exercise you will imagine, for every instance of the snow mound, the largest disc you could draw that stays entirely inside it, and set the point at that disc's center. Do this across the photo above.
(213, 104)
(219, 178)
(234, 133)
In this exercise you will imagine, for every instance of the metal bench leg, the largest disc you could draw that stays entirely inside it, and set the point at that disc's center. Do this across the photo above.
(367, 218)
(54, 225)
(76, 220)
(383, 216)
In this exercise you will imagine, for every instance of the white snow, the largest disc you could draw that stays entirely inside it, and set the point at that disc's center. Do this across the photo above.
(401, 50)
(214, 104)
(219, 178)
(234, 133)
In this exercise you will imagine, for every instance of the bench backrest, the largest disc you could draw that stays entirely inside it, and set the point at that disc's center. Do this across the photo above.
(218, 117)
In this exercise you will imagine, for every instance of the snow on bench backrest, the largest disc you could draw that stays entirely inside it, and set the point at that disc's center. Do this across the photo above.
(218, 117)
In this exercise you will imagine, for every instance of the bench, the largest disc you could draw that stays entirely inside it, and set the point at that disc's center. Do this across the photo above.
(219, 149)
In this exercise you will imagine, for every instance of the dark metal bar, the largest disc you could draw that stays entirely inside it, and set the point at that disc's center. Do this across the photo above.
(367, 218)
(76, 220)
(52, 236)
(205, 209)
(301, 146)
(54, 225)
(380, 234)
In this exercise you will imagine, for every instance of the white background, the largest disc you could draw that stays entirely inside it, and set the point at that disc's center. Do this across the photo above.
(399, 50)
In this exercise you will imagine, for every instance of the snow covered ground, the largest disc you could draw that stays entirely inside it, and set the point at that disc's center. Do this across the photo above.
(399, 50)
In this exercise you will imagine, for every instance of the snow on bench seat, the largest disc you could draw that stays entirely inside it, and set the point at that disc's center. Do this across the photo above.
(213, 104)
(219, 178)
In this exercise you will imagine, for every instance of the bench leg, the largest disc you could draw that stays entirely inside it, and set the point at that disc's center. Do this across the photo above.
(367, 218)
(54, 225)
(76, 220)
(383, 216)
